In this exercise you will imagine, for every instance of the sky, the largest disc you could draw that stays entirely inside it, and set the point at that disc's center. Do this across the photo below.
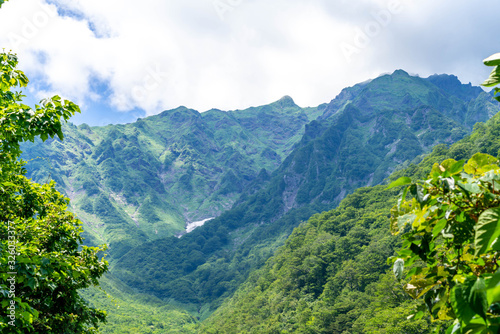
(120, 59)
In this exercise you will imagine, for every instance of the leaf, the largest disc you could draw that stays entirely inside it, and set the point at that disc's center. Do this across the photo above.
(439, 227)
(419, 285)
(457, 167)
(454, 328)
(408, 218)
(10, 184)
(60, 135)
(480, 163)
(398, 269)
(417, 192)
(492, 60)
(487, 230)
(399, 182)
(493, 290)
(477, 298)
(460, 304)
(494, 78)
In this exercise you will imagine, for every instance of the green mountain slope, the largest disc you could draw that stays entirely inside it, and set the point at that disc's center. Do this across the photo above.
(331, 276)
(363, 135)
(143, 181)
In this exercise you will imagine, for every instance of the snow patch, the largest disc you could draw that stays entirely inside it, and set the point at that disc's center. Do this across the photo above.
(191, 226)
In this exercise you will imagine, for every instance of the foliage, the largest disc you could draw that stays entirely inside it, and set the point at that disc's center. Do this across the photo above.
(329, 277)
(130, 313)
(494, 78)
(450, 225)
(43, 266)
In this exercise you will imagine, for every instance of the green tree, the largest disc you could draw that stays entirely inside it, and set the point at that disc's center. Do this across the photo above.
(43, 264)
(450, 229)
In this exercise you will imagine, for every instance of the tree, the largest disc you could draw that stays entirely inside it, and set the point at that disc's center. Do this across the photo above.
(42, 259)
(451, 232)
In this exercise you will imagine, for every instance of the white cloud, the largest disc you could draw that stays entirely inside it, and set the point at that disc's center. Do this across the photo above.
(231, 54)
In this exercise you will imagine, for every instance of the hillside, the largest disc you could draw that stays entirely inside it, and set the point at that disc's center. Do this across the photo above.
(331, 276)
(147, 180)
(364, 134)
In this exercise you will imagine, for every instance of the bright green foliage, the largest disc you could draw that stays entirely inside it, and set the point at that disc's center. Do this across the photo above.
(42, 265)
(450, 224)
(129, 313)
(494, 79)
(18, 121)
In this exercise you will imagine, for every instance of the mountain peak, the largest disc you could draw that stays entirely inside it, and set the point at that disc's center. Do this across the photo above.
(400, 73)
(453, 86)
(286, 101)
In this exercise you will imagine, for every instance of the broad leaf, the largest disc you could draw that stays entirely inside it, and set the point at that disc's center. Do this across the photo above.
(477, 298)
(460, 304)
(398, 269)
(480, 163)
(494, 78)
(457, 167)
(439, 227)
(400, 182)
(493, 60)
(487, 230)
(493, 290)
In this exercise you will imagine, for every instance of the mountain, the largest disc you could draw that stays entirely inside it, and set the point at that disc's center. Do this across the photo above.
(331, 275)
(143, 181)
(260, 172)
(363, 135)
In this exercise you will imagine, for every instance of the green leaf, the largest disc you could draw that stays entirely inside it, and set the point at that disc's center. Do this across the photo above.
(487, 230)
(403, 220)
(60, 135)
(477, 298)
(460, 304)
(439, 227)
(399, 182)
(492, 60)
(480, 163)
(457, 167)
(494, 78)
(493, 290)
(454, 328)
(417, 192)
(398, 269)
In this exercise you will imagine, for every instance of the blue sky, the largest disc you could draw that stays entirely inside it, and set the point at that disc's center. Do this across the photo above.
(120, 60)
